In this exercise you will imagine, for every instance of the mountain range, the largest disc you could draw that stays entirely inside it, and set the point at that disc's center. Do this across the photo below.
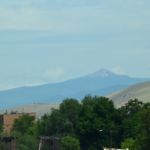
(100, 83)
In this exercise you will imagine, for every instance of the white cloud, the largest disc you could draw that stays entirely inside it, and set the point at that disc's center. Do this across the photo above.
(118, 70)
(54, 75)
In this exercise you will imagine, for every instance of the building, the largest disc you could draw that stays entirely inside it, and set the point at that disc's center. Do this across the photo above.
(8, 119)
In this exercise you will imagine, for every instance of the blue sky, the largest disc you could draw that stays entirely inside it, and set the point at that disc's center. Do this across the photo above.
(45, 41)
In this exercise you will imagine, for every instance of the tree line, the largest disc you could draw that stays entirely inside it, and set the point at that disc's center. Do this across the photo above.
(89, 124)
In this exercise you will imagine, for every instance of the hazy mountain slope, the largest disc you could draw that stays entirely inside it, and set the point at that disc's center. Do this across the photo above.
(100, 83)
(140, 91)
(39, 109)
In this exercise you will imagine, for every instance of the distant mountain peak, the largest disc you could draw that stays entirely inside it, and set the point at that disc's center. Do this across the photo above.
(102, 82)
(103, 73)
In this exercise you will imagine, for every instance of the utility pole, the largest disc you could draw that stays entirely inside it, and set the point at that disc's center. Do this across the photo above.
(40, 144)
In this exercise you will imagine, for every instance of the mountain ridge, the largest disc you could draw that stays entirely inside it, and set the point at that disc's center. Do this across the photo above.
(139, 91)
(100, 83)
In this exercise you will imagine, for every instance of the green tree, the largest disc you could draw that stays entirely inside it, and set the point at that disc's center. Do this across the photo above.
(26, 142)
(62, 121)
(25, 131)
(143, 134)
(22, 124)
(129, 116)
(70, 109)
(97, 113)
(70, 143)
(97, 123)
(51, 124)
(135, 124)
(129, 143)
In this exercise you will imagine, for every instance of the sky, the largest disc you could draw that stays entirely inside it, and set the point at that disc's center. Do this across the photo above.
(44, 41)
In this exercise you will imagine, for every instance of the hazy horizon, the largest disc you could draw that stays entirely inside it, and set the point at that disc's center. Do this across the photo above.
(44, 41)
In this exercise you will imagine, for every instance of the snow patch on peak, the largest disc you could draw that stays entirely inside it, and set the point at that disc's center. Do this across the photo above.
(104, 73)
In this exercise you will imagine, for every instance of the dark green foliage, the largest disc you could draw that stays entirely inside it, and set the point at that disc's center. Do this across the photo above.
(97, 114)
(70, 143)
(92, 124)
(136, 124)
(62, 121)
(129, 143)
(26, 142)
(25, 131)
(23, 123)
(97, 123)
(143, 131)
